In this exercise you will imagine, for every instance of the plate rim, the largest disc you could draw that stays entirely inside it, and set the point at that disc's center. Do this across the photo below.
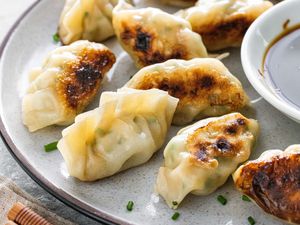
(60, 194)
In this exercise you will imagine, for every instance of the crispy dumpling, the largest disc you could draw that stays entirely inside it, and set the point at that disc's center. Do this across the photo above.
(223, 23)
(151, 36)
(204, 87)
(127, 128)
(180, 3)
(86, 20)
(273, 182)
(201, 157)
(65, 84)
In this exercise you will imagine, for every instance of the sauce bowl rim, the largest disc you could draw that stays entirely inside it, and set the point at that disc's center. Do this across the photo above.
(252, 72)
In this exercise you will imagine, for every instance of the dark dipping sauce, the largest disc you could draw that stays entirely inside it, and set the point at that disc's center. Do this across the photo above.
(281, 65)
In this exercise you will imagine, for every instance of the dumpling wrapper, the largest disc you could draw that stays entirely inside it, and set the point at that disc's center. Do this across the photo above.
(86, 20)
(127, 128)
(273, 182)
(201, 157)
(204, 86)
(223, 23)
(65, 84)
(151, 36)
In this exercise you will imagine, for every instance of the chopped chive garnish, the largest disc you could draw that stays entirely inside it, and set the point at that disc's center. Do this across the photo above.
(51, 146)
(55, 37)
(251, 220)
(175, 216)
(86, 14)
(246, 198)
(174, 203)
(222, 199)
(130, 205)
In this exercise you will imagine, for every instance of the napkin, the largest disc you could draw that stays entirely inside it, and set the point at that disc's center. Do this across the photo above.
(10, 193)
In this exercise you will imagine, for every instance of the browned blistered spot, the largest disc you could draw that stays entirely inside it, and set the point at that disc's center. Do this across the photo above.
(226, 33)
(206, 82)
(274, 185)
(81, 78)
(197, 86)
(141, 41)
(235, 127)
(205, 147)
(182, 3)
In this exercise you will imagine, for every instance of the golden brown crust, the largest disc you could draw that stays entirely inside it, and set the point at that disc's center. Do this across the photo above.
(80, 80)
(227, 32)
(274, 185)
(196, 86)
(225, 144)
(141, 42)
(181, 3)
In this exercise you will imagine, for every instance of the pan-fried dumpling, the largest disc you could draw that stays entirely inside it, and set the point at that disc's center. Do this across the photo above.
(127, 128)
(151, 36)
(273, 182)
(204, 86)
(66, 83)
(180, 3)
(223, 23)
(86, 20)
(202, 156)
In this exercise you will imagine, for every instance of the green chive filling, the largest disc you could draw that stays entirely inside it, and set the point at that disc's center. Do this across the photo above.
(130, 205)
(55, 37)
(246, 198)
(51, 146)
(251, 220)
(175, 216)
(222, 199)
(174, 203)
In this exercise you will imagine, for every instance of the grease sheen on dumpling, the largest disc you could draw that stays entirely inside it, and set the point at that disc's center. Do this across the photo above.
(273, 182)
(127, 128)
(65, 84)
(204, 87)
(201, 157)
(86, 20)
(223, 23)
(151, 36)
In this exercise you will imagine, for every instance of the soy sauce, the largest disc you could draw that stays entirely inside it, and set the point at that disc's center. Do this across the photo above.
(281, 65)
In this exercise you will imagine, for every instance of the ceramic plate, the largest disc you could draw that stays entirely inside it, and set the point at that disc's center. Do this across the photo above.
(25, 47)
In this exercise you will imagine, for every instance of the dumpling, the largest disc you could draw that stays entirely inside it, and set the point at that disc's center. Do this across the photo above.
(151, 36)
(127, 128)
(180, 3)
(86, 20)
(273, 182)
(223, 23)
(202, 156)
(66, 83)
(204, 86)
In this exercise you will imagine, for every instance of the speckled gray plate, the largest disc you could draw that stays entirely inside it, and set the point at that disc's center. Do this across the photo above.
(26, 46)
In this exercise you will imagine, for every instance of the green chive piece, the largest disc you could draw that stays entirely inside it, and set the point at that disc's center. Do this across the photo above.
(130, 205)
(51, 146)
(55, 37)
(175, 216)
(246, 198)
(222, 199)
(86, 14)
(174, 203)
(251, 220)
